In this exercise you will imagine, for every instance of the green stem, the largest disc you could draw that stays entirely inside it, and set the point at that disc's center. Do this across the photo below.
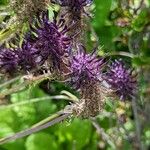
(9, 82)
(137, 123)
(35, 100)
(23, 85)
(104, 135)
(52, 120)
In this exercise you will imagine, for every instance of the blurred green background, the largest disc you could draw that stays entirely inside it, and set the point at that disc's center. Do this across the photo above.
(123, 30)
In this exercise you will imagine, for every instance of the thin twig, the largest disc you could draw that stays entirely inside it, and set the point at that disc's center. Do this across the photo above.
(102, 132)
(122, 53)
(70, 95)
(27, 81)
(137, 123)
(35, 100)
(15, 89)
(51, 121)
(9, 82)
(140, 5)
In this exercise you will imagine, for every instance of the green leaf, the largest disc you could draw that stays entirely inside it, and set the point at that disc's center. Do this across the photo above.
(107, 35)
(141, 61)
(141, 20)
(102, 9)
(41, 141)
(77, 134)
(4, 2)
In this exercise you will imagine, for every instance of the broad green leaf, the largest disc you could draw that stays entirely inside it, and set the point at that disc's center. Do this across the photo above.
(4, 2)
(76, 134)
(41, 141)
(102, 9)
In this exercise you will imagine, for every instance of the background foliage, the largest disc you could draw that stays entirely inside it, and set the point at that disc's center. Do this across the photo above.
(123, 30)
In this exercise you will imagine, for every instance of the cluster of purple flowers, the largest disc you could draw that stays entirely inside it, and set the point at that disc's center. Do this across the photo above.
(46, 39)
(121, 80)
(52, 39)
(85, 67)
(8, 60)
(49, 40)
(76, 5)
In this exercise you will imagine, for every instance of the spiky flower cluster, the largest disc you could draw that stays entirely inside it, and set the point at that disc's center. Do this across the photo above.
(74, 4)
(121, 80)
(50, 41)
(74, 7)
(86, 75)
(8, 60)
(85, 67)
(29, 56)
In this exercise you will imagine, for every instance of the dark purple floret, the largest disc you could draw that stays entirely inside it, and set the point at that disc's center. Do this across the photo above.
(85, 67)
(51, 39)
(75, 4)
(8, 61)
(29, 56)
(121, 80)
(75, 7)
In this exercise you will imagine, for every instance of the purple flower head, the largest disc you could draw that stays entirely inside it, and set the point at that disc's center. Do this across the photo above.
(121, 79)
(85, 67)
(8, 60)
(75, 7)
(29, 56)
(51, 39)
(74, 4)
